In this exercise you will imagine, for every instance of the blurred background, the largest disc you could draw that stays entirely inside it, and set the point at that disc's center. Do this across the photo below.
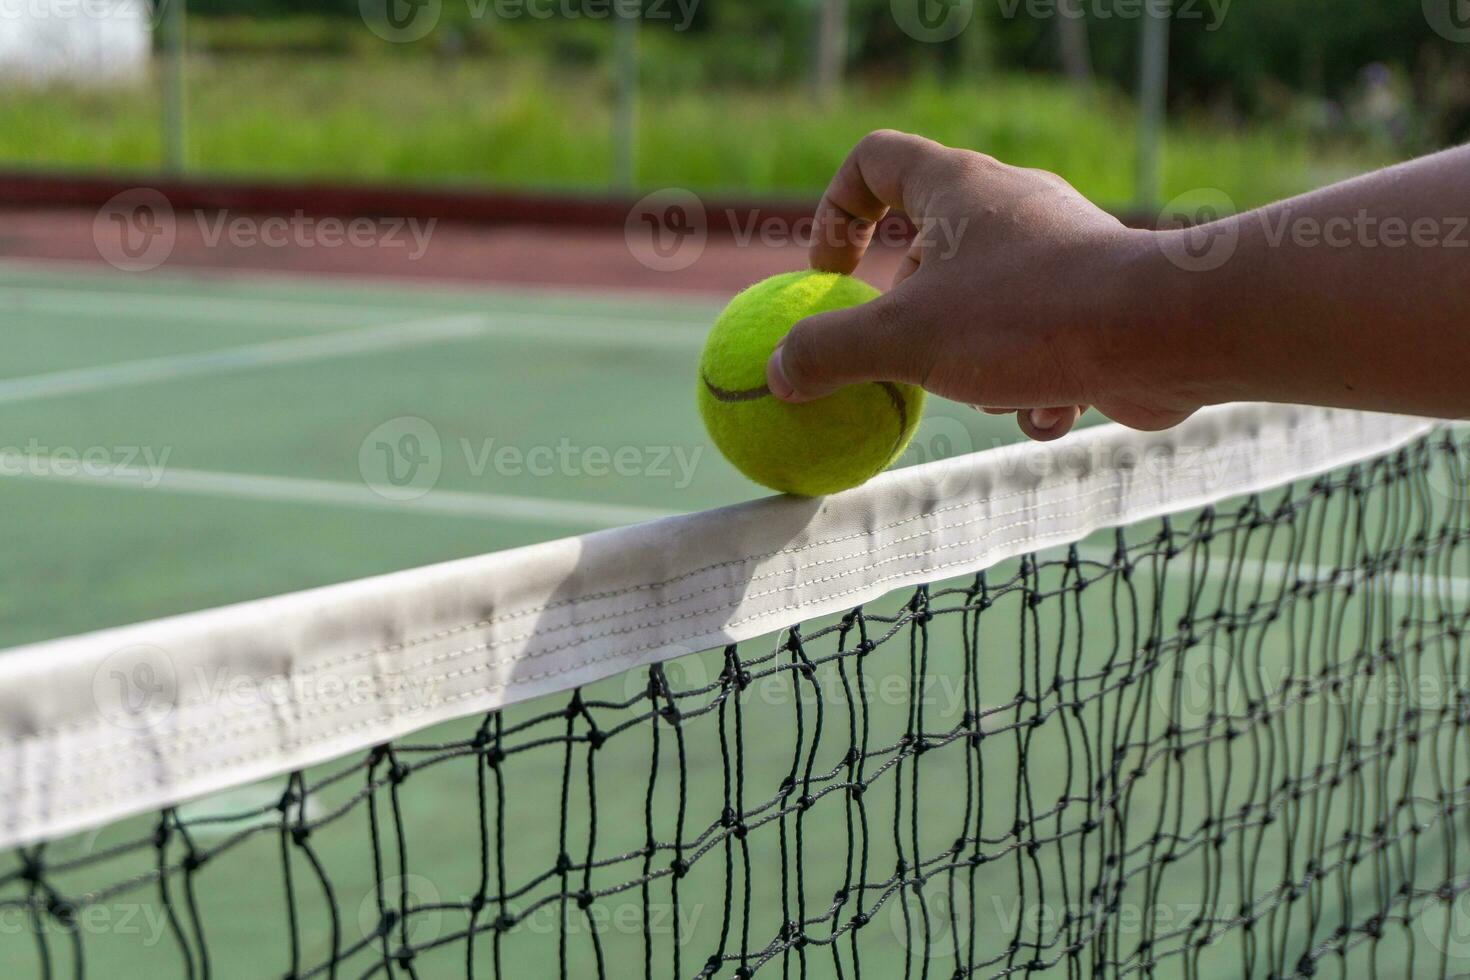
(760, 97)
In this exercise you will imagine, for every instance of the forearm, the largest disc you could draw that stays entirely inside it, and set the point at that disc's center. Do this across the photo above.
(1357, 295)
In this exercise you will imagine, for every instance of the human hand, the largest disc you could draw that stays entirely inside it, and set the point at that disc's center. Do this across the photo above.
(1010, 298)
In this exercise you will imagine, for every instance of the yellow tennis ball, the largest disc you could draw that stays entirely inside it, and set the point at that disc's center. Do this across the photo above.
(809, 449)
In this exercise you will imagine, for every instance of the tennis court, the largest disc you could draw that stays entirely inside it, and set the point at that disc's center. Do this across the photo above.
(196, 441)
(1197, 746)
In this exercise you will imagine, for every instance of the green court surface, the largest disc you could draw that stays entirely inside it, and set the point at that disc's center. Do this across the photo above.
(173, 443)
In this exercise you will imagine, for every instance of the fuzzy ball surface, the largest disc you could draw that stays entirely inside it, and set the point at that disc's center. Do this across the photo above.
(810, 449)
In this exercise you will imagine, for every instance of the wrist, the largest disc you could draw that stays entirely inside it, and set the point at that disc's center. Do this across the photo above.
(1163, 332)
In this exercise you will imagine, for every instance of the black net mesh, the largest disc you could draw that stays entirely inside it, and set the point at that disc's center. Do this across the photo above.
(1231, 743)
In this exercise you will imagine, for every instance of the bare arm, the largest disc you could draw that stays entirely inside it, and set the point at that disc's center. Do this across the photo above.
(1019, 295)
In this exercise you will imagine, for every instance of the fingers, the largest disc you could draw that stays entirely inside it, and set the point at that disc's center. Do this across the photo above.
(885, 170)
(1042, 424)
(884, 340)
(1046, 424)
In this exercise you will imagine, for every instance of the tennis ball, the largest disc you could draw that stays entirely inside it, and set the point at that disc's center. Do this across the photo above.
(816, 447)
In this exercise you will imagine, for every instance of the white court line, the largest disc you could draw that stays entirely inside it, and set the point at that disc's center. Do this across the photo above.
(296, 490)
(1274, 571)
(368, 339)
(641, 334)
(165, 307)
(278, 352)
(225, 307)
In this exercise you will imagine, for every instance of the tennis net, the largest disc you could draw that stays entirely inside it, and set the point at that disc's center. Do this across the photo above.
(1182, 704)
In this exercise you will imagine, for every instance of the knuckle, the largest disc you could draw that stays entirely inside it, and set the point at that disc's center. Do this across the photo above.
(880, 136)
(973, 163)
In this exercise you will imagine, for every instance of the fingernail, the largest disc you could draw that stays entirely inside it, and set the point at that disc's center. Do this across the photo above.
(1044, 418)
(776, 376)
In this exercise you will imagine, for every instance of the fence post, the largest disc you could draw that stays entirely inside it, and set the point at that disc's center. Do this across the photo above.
(175, 140)
(625, 109)
(831, 49)
(1153, 81)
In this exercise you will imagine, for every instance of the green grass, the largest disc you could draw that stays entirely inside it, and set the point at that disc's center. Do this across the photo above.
(511, 123)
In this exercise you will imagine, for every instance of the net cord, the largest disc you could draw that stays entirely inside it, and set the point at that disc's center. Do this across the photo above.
(129, 720)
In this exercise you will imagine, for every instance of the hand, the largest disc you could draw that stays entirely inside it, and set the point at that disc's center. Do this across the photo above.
(1007, 299)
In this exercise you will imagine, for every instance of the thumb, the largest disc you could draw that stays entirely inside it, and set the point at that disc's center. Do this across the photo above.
(882, 340)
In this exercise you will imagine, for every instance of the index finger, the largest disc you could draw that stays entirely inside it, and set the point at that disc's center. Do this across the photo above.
(886, 170)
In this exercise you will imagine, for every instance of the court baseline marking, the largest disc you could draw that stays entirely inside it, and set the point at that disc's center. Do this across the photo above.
(298, 490)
